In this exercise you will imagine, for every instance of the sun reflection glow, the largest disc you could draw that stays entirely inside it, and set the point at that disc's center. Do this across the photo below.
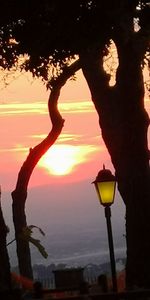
(62, 159)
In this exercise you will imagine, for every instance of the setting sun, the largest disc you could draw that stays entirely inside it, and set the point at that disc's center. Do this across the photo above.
(62, 159)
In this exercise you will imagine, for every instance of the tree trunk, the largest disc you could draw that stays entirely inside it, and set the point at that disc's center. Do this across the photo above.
(19, 195)
(124, 124)
(19, 219)
(5, 275)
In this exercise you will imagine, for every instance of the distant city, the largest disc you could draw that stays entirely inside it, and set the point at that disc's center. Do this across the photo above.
(90, 253)
(76, 249)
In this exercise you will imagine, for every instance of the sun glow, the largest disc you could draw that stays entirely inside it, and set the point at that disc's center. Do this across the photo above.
(62, 159)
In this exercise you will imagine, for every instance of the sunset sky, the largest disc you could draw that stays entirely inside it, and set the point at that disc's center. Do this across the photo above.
(60, 190)
(25, 122)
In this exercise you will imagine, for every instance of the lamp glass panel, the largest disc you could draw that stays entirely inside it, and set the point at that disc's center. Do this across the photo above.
(106, 191)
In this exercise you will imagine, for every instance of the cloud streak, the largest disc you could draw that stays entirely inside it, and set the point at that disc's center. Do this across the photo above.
(64, 137)
(41, 108)
(23, 108)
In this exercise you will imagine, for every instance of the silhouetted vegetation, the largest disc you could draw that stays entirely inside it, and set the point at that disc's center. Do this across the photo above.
(53, 33)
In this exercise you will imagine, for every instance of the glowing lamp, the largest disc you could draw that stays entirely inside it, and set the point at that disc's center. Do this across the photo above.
(105, 184)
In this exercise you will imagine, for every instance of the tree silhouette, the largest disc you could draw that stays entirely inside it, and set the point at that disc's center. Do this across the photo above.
(19, 195)
(54, 32)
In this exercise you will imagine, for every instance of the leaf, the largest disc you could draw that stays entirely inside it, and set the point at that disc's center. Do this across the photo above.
(26, 235)
(38, 245)
(26, 231)
(40, 230)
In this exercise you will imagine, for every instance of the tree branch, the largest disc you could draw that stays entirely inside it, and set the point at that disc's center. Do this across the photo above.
(19, 195)
(57, 124)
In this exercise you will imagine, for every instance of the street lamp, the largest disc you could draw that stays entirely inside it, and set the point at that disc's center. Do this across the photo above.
(105, 184)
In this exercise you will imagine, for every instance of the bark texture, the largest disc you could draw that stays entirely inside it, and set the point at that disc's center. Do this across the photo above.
(19, 195)
(124, 124)
(5, 275)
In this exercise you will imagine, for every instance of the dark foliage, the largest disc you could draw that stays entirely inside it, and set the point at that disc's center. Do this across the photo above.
(53, 32)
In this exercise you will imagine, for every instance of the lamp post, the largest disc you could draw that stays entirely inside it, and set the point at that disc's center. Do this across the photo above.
(105, 185)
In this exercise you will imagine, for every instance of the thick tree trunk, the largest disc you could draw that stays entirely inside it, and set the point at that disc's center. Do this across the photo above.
(124, 123)
(5, 275)
(133, 168)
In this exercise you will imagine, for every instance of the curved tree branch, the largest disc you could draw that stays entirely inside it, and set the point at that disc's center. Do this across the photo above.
(19, 195)
(57, 124)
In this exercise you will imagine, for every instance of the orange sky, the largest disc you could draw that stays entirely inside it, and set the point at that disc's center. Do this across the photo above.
(24, 122)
